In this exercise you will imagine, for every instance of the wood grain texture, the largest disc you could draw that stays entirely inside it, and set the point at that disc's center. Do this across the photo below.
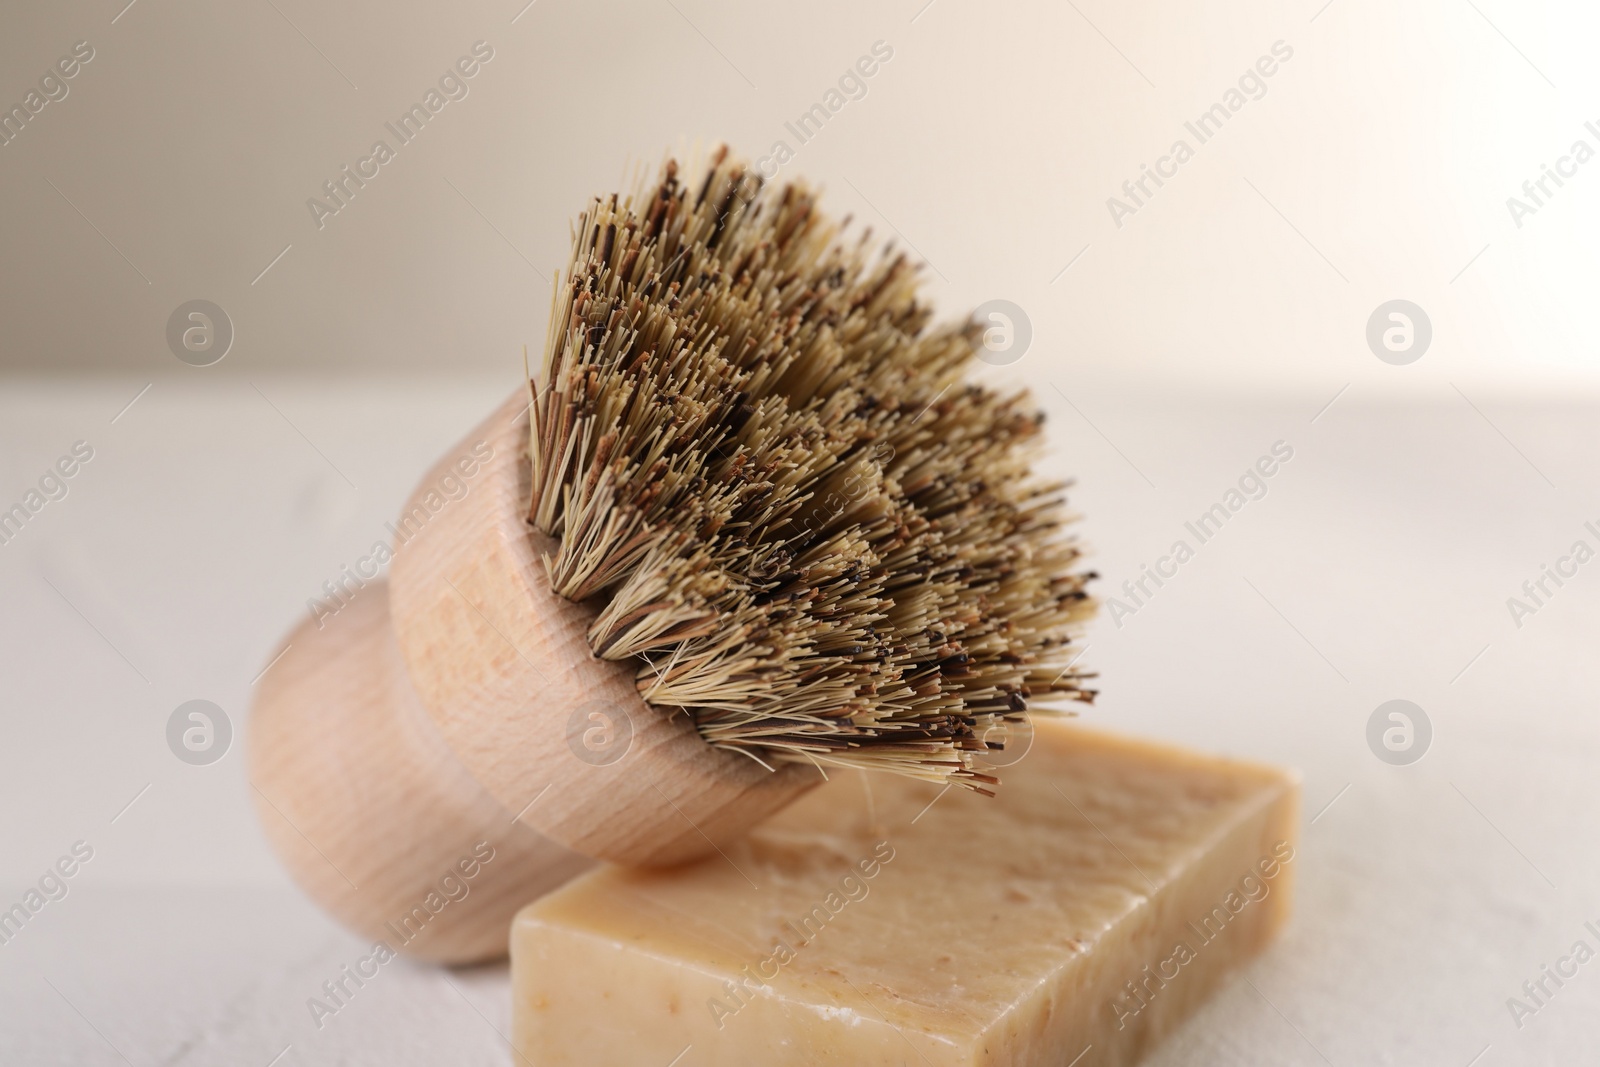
(370, 810)
(502, 665)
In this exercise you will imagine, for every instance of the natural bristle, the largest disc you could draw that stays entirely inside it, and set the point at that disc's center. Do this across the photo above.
(763, 467)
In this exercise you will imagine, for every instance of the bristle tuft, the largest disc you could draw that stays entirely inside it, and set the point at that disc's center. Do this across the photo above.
(764, 467)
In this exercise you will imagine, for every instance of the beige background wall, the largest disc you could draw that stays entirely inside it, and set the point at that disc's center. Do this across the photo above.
(1376, 165)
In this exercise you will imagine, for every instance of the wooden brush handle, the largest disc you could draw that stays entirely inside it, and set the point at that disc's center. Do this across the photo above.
(456, 710)
(502, 665)
(370, 810)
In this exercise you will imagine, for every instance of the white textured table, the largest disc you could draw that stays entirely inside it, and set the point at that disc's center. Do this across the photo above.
(1376, 567)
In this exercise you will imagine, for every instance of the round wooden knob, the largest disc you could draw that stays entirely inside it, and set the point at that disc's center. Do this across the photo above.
(369, 809)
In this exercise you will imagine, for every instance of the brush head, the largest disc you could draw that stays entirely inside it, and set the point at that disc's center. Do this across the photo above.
(765, 472)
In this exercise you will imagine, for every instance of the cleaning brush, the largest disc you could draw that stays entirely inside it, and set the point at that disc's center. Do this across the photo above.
(749, 522)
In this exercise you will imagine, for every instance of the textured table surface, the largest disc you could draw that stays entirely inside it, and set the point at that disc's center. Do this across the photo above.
(1376, 567)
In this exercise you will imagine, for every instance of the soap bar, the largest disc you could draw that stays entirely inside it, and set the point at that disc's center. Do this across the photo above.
(1075, 918)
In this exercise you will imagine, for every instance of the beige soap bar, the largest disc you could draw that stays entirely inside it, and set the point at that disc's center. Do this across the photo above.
(1074, 919)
